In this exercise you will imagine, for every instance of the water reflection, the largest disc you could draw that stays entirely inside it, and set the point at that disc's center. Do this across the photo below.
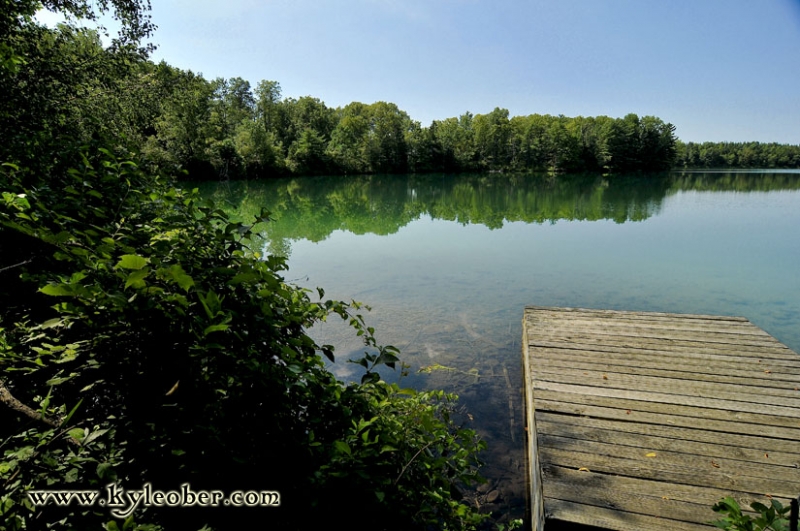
(314, 207)
(449, 262)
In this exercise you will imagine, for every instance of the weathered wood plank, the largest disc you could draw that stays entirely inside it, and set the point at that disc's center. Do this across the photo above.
(666, 346)
(581, 405)
(765, 370)
(735, 446)
(602, 490)
(703, 496)
(668, 412)
(564, 314)
(761, 381)
(624, 319)
(656, 329)
(534, 478)
(669, 460)
(778, 397)
(692, 405)
(723, 420)
(617, 377)
(611, 519)
(624, 314)
(705, 476)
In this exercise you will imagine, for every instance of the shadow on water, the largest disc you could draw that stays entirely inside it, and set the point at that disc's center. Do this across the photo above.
(455, 312)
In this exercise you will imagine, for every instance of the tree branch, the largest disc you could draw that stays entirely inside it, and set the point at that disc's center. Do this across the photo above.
(411, 461)
(16, 265)
(8, 399)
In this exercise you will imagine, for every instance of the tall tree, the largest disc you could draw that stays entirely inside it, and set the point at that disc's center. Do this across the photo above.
(386, 138)
(348, 146)
(492, 139)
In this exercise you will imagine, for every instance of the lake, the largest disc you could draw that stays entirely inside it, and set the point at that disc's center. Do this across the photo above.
(448, 263)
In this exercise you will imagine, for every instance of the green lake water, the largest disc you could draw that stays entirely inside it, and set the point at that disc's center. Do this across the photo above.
(448, 263)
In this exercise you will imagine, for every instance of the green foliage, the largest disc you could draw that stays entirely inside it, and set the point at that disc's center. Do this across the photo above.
(737, 155)
(158, 346)
(774, 517)
(513, 524)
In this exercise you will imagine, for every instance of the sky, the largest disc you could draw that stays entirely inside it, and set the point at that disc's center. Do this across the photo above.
(719, 70)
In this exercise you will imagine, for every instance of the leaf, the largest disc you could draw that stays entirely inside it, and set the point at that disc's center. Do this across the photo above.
(56, 290)
(248, 277)
(212, 304)
(132, 261)
(77, 433)
(105, 470)
(94, 435)
(136, 278)
(51, 323)
(71, 476)
(58, 381)
(180, 277)
(759, 507)
(215, 328)
(72, 412)
(342, 447)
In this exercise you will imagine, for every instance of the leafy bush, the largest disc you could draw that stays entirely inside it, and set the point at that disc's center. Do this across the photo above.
(143, 340)
(772, 518)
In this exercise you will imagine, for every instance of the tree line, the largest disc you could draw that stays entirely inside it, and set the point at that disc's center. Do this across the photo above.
(736, 155)
(227, 128)
(181, 122)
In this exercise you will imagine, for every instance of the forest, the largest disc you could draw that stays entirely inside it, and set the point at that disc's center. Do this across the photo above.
(736, 155)
(144, 338)
(182, 123)
(146, 344)
(225, 128)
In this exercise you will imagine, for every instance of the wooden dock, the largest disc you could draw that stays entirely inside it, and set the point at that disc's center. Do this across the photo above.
(643, 421)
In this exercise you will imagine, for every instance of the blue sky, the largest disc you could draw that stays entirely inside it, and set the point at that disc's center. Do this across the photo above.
(720, 70)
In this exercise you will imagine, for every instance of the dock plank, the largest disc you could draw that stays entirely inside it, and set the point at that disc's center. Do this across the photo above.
(644, 420)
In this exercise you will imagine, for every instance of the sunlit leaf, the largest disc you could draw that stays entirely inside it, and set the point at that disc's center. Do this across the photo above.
(132, 261)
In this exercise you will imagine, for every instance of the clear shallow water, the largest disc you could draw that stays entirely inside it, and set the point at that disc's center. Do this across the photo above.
(448, 264)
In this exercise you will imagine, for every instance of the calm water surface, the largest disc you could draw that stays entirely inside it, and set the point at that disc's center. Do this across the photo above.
(449, 262)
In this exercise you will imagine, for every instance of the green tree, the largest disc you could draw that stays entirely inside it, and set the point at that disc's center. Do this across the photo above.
(386, 148)
(182, 130)
(620, 144)
(656, 144)
(232, 104)
(422, 149)
(268, 97)
(348, 146)
(307, 155)
(60, 87)
(492, 139)
(455, 136)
